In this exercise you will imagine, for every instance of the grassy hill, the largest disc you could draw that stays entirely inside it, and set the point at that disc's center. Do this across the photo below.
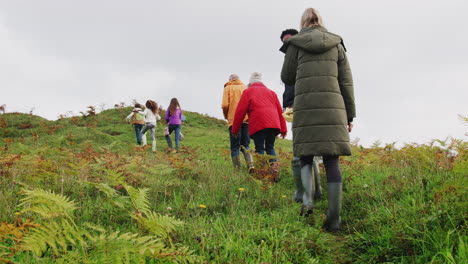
(79, 190)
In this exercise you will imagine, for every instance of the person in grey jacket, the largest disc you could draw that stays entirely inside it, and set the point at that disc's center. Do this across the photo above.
(288, 101)
(324, 108)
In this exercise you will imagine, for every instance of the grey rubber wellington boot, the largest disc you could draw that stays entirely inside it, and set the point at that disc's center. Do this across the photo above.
(318, 187)
(236, 162)
(308, 183)
(296, 170)
(332, 223)
(249, 160)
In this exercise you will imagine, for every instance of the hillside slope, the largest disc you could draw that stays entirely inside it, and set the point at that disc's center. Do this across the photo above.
(400, 205)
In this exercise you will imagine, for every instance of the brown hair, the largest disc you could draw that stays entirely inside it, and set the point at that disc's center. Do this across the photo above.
(173, 106)
(152, 105)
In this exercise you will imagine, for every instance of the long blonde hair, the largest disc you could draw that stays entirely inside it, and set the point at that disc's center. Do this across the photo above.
(311, 17)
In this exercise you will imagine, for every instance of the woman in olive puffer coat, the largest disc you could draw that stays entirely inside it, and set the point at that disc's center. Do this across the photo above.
(324, 108)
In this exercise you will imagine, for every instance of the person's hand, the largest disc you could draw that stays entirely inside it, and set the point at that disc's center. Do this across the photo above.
(350, 126)
(235, 135)
(283, 134)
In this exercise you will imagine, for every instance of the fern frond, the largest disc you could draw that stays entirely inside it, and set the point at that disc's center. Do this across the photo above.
(6, 259)
(159, 225)
(56, 235)
(116, 199)
(160, 169)
(119, 247)
(110, 147)
(110, 192)
(94, 227)
(60, 237)
(106, 189)
(139, 199)
(72, 257)
(114, 177)
(124, 248)
(47, 204)
(2, 248)
(4, 251)
(185, 255)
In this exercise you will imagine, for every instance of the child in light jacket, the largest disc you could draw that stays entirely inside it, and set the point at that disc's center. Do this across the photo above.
(151, 117)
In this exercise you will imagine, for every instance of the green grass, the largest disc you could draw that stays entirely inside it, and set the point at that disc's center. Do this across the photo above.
(403, 205)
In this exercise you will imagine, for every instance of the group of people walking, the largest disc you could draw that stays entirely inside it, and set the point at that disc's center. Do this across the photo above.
(319, 90)
(252, 111)
(144, 120)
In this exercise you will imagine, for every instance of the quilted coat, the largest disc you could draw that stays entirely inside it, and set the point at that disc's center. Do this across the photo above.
(316, 63)
(231, 96)
(262, 106)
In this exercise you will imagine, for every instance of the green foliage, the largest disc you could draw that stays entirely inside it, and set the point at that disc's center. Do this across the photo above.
(60, 236)
(139, 199)
(117, 247)
(47, 204)
(156, 224)
(56, 234)
(16, 124)
(78, 190)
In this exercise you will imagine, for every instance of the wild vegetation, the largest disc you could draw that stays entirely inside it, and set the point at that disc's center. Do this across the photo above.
(79, 190)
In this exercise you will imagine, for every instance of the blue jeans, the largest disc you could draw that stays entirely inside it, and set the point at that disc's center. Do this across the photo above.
(242, 139)
(265, 141)
(177, 129)
(138, 128)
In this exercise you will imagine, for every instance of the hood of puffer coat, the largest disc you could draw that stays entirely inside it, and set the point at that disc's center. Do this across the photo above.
(315, 39)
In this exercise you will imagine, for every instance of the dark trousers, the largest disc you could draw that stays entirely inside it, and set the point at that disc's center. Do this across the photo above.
(242, 139)
(265, 142)
(138, 128)
(332, 167)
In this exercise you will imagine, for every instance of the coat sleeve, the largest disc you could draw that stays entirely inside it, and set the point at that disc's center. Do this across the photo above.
(241, 111)
(225, 103)
(345, 80)
(288, 72)
(283, 127)
(129, 117)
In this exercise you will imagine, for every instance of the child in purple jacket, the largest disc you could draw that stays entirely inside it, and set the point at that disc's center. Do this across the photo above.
(174, 122)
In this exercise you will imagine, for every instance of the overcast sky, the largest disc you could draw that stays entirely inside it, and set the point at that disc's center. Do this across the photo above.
(409, 58)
